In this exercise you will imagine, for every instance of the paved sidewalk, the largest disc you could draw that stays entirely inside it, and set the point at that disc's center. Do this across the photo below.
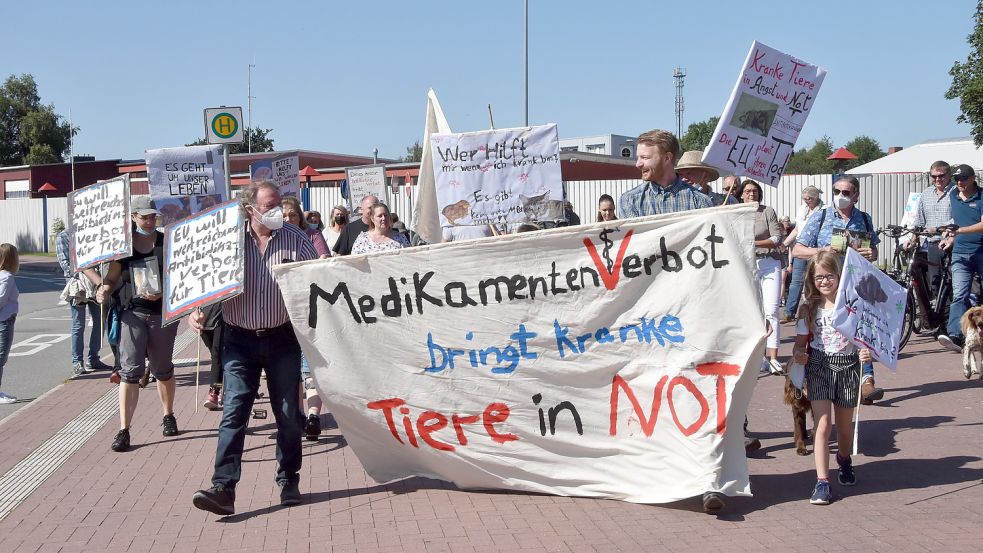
(920, 473)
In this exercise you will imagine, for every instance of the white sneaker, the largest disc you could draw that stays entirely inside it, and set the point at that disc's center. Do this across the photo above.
(776, 368)
(6, 400)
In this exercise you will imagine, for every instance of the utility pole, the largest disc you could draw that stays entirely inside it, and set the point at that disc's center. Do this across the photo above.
(679, 74)
(249, 103)
(71, 148)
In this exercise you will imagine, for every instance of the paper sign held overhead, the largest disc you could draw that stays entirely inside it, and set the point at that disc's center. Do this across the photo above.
(203, 261)
(99, 220)
(185, 181)
(283, 171)
(498, 176)
(365, 181)
(765, 113)
(610, 361)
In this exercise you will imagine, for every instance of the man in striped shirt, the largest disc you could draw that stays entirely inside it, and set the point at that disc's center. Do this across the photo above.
(664, 191)
(258, 335)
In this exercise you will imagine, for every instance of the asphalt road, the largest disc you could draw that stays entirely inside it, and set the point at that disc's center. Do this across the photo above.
(41, 357)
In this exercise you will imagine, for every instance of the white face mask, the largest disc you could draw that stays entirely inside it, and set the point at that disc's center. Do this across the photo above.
(843, 201)
(272, 219)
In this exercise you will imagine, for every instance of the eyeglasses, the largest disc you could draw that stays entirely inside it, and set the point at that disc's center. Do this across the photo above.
(963, 178)
(825, 278)
(940, 176)
(837, 192)
(146, 217)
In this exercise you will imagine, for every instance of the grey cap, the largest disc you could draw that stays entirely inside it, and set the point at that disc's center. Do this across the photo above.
(143, 205)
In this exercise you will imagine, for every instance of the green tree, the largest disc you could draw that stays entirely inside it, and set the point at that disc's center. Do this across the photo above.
(414, 152)
(967, 81)
(866, 149)
(812, 161)
(30, 132)
(261, 142)
(698, 135)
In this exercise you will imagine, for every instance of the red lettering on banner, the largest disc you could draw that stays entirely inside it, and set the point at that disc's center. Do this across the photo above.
(719, 370)
(611, 277)
(429, 423)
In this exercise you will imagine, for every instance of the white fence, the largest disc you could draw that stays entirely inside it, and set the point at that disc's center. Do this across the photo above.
(883, 196)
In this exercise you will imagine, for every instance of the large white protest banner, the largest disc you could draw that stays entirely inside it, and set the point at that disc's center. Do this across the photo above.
(367, 180)
(870, 308)
(184, 181)
(203, 260)
(615, 360)
(765, 113)
(282, 170)
(99, 220)
(498, 176)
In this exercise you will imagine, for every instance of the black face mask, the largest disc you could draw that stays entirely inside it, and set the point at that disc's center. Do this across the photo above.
(339, 219)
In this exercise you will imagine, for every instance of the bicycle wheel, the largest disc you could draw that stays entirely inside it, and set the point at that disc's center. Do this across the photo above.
(908, 324)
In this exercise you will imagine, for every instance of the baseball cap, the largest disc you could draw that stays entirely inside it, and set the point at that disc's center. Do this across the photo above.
(143, 205)
(964, 171)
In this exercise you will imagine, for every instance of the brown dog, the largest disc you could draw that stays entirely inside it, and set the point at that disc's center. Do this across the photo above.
(801, 405)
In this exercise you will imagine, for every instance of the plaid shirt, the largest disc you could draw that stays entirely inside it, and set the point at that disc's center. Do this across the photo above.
(261, 304)
(933, 210)
(649, 198)
(63, 251)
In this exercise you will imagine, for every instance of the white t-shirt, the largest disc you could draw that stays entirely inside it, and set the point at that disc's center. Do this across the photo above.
(457, 233)
(824, 337)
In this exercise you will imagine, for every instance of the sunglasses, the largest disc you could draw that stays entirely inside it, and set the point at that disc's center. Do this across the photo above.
(837, 192)
(963, 178)
(941, 176)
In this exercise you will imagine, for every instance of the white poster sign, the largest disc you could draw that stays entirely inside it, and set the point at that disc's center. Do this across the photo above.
(870, 308)
(615, 360)
(773, 97)
(184, 181)
(367, 180)
(498, 176)
(283, 171)
(99, 219)
(203, 260)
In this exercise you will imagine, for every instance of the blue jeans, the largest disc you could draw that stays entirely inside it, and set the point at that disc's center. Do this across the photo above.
(78, 331)
(795, 288)
(244, 355)
(963, 266)
(6, 340)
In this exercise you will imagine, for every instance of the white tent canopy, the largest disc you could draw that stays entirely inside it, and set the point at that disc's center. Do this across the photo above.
(918, 158)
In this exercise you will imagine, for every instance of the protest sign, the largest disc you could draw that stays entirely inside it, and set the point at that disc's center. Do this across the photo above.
(870, 308)
(763, 118)
(203, 261)
(365, 181)
(615, 360)
(281, 170)
(498, 176)
(184, 181)
(99, 219)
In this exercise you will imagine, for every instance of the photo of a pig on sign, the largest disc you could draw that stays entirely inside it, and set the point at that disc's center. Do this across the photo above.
(765, 113)
(185, 181)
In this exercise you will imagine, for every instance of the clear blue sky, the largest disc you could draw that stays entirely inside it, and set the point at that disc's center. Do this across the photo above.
(350, 76)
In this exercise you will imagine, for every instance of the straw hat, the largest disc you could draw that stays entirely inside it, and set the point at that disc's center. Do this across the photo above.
(691, 160)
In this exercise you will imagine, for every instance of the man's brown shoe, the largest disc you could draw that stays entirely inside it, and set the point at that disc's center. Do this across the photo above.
(869, 393)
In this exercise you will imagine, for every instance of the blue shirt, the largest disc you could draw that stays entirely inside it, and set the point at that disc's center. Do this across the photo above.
(649, 198)
(812, 236)
(964, 213)
(8, 296)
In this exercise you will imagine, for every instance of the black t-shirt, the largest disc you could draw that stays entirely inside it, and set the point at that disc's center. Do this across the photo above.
(126, 290)
(348, 235)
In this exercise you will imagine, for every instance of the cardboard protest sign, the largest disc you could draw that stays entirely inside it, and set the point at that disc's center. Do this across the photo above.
(763, 118)
(498, 176)
(99, 219)
(184, 181)
(365, 181)
(870, 308)
(203, 260)
(615, 360)
(281, 170)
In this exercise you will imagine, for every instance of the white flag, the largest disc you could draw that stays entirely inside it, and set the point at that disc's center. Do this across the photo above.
(426, 221)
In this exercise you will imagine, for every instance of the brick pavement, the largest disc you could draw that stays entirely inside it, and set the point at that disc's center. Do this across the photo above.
(919, 489)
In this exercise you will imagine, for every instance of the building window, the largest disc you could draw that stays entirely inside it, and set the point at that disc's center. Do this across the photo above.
(18, 189)
(626, 152)
(595, 148)
(569, 149)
